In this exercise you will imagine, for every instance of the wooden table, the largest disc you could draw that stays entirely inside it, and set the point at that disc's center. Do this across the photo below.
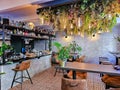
(86, 67)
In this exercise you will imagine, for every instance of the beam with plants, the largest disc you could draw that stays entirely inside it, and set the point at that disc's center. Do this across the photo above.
(85, 16)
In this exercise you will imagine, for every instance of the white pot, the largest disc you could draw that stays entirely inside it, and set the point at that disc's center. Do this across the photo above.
(63, 63)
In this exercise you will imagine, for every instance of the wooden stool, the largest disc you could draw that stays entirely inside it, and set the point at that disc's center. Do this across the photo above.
(111, 81)
(20, 68)
(73, 84)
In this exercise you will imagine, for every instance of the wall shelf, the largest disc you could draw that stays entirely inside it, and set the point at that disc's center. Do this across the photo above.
(27, 36)
(35, 32)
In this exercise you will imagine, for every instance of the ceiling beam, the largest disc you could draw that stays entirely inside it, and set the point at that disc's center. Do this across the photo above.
(57, 3)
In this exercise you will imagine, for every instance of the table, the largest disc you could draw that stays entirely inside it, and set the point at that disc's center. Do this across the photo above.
(87, 67)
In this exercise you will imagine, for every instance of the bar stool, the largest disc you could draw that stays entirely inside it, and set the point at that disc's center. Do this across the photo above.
(20, 68)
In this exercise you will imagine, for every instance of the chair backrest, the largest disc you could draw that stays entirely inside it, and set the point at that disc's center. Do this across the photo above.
(24, 65)
(103, 59)
(81, 59)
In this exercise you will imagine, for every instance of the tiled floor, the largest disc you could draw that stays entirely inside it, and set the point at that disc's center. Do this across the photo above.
(47, 81)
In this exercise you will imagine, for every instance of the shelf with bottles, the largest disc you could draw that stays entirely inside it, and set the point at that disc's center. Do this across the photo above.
(21, 30)
(44, 31)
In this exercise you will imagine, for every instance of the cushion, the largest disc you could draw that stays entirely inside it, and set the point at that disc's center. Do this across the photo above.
(79, 75)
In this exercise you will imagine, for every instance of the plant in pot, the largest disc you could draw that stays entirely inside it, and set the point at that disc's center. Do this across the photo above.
(75, 49)
(63, 52)
(3, 48)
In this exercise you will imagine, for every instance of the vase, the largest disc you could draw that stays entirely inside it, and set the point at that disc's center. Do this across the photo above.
(62, 63)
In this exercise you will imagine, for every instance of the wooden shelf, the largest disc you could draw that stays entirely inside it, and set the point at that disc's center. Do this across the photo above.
(9, 27)
(5, 39)
(27, 36)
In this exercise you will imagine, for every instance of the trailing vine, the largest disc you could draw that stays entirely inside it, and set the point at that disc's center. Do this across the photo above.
(84, 16)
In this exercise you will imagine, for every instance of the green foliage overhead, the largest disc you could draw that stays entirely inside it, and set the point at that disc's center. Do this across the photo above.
(93, 14)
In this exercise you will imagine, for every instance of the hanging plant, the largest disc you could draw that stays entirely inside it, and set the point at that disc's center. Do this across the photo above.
(92, 13)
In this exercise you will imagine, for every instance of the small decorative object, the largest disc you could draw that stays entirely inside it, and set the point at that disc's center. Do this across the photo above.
(31, 25)
(117, 67)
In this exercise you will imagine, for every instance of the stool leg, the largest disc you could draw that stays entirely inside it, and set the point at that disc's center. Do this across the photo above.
(107, 86)
(13, 79)
(21, 79)
(55, 72)
(29, 77)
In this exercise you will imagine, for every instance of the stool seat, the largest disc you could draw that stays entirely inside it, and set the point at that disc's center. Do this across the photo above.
(23, 66)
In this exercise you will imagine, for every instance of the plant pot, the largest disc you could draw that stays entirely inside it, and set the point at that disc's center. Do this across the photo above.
(62, 63)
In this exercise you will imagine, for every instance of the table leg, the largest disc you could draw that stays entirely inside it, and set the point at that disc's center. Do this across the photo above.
(74, 74)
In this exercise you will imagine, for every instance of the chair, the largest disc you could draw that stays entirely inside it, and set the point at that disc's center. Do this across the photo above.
(55, 62)
(20, 68)
(73, 84)
(80, 75)
(111, 81)
(81, 59)
(104, 61)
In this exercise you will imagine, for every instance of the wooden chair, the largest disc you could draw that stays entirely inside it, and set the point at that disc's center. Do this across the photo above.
(81, 59)
(20, 68)
(111, 81)
(80, 75)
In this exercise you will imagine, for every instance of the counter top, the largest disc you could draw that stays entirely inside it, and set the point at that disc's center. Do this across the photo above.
(26, 58)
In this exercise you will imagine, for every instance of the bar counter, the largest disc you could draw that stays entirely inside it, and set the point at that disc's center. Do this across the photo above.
(37, 65)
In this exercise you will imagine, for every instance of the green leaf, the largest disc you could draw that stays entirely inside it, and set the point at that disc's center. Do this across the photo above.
(57, 45)
(2, 73)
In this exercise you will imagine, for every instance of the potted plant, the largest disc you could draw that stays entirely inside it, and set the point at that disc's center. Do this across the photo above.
(63, 52)
(3, 48)
(75, 48)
